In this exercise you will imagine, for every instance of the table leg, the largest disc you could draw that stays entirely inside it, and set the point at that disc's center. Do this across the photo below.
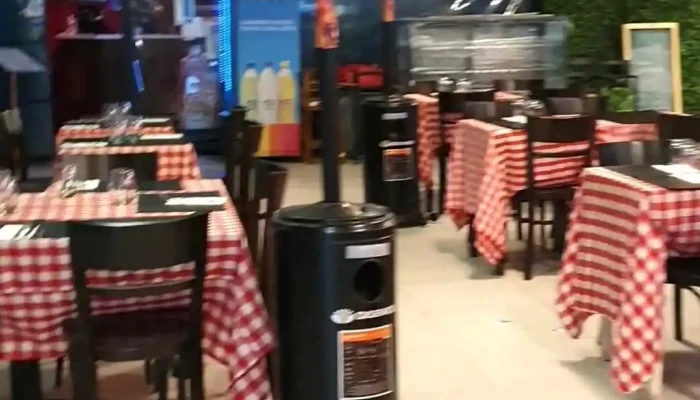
(605, 339)
(25, 380)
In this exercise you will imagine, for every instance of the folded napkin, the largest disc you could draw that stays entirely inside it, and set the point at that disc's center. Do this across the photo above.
(195, 201)
(518, 119)
(71, 145)
(88, 185)
(155, 120)
(72, 127)
(8, 232)
(690, 178)
(676, 169)
(162, 136)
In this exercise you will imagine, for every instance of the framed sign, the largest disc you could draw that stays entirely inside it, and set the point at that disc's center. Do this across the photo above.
(653, 53)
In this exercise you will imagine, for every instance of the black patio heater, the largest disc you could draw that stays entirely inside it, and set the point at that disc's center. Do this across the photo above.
(389, 122)
(331, 281)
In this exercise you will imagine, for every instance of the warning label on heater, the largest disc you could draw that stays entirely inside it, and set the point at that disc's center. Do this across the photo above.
(365, 363)
(398, 164)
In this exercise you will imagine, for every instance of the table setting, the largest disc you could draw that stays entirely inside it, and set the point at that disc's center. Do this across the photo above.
(36, 278)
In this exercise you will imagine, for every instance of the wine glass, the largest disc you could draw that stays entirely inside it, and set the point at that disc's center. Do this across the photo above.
(122, 186)
(683, 151)
(8, 195)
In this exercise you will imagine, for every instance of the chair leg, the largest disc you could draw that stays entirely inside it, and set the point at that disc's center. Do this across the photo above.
(543, 217)
(519, 218)
(678, 311)
(196, 372)
(148, 372)
(58, 378)
(160, 378)
(471, 239)
(530, 245)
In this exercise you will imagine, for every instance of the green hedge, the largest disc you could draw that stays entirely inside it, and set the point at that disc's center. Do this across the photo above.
(596, 32)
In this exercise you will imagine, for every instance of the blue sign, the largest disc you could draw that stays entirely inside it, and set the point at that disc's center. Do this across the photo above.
(268, 70)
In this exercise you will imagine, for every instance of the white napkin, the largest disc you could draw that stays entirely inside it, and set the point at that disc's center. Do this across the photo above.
(155, 120)
(162, 136)
(195, 201)
(89, 185)
(676, 169)
(72, 145)
(518, 119)
(8, 232)
(690, 178)
(71, 127)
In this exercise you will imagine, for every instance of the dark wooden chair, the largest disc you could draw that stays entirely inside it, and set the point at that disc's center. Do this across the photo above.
(678, 126)
(161, 334)
(487, 95)
(573, 130)
(682, 273)
(631, 117)
(144, 165)
(631, 153)
(239, 161)
(481, 110)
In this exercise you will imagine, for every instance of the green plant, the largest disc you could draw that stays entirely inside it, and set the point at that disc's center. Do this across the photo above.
(618, 98)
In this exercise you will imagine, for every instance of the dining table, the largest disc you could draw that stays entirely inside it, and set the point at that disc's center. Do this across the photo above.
(176, 157)
(488, 165)
(622, 231)
(36, 288)
(95, 131)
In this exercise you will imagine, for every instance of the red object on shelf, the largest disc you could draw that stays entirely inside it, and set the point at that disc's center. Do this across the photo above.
(363, 75)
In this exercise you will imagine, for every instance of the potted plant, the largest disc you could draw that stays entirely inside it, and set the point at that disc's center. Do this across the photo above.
(618, 99)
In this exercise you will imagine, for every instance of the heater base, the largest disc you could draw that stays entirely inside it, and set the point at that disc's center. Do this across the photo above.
(410, 221)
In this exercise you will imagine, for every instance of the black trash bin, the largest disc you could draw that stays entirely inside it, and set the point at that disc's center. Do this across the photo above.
(334, 306)
(391, 157)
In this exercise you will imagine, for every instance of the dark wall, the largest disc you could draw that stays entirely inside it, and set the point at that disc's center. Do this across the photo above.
(360, 24)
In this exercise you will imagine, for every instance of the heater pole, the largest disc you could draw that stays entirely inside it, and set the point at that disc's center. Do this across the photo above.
(389, 46)
(326, 43)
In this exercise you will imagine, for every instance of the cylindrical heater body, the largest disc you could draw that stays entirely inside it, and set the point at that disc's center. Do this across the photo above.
(334, 306)
(391, 158)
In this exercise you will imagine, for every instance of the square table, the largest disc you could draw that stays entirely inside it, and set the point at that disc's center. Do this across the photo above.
(488, 165)
(36, 289)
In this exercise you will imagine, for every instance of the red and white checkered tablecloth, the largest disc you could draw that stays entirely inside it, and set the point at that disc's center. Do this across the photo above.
(621, 232)
(175, 162)
(95, 132)
(36, 289)
(488, 164)
(428, 135)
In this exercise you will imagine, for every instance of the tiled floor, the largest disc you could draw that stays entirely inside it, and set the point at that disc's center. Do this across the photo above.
(462, 333)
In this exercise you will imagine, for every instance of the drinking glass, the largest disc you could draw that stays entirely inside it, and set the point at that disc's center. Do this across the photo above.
(683, 151)
(122, 185)
(8, 195)
(67, 179)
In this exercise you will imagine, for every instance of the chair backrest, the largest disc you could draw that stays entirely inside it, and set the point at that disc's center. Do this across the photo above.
(266, 198)
(574, 130)
(145, 165)
(114, 246)
(646, 152)
(631, 117)
(239, 162)
(678, 126)
(483, 110)
(565, 105)
(485, 95)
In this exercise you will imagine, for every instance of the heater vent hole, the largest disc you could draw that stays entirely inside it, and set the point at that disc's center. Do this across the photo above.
(369, 281)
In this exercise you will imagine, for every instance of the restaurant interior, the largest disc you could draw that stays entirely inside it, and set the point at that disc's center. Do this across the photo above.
(349, 199)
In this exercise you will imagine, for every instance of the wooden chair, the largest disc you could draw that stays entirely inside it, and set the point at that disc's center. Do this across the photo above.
(631, 117)
(481, 110)
(486, 95)
(631, 153)
(240, 161)
(266, 198)
(678, 126)
(161, 334)
(574, 130)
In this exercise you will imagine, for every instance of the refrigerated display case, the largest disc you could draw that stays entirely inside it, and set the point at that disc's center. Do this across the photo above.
(484, 48)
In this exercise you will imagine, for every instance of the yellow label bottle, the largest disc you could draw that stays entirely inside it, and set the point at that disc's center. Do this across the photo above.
(286, 95)
(248, 92)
